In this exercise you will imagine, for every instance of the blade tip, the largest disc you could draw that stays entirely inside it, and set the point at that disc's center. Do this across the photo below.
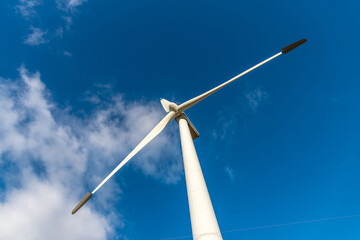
(82, 202)
(293, 46)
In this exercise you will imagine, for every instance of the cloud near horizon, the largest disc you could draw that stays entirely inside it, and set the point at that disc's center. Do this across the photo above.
(46, 154)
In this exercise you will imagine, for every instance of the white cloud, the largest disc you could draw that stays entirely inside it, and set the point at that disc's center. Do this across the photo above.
(40, 210)
(52, 153)
(226, 125)
(69, 5)
(67, 53)
(68, 21)
(59, 32)
(256, 98)
(66, 9)
(75, 3)
(26, 7)
(230, 172)
(36, 37)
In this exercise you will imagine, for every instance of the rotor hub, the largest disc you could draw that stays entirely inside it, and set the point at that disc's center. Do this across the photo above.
(173, 107)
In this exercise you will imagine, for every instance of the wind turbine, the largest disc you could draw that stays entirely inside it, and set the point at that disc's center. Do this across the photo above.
(203, 220)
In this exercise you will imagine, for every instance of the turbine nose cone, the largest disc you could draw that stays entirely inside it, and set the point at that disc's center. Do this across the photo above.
(169, 106)
(173, 107)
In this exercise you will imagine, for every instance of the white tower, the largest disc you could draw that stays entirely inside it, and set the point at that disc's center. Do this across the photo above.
(203, 220)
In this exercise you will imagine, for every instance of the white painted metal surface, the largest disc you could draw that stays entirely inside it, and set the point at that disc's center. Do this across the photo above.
(174, 111)
(182, 107)
(203, 220)
(154, 132)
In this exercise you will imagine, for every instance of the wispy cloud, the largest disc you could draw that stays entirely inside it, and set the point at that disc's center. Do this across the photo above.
(65, 10)
(67, 53)
(226, 125)
(68, 21)
(69, 5)
(36, 37)
(230, 172)
(59, 32)
(27, 7)
(54, 154)
(256, 97)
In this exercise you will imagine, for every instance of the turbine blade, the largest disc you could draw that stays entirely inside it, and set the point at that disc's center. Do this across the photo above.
(195, 100)
(152, 134)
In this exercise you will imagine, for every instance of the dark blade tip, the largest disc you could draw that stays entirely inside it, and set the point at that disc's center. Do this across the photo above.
(82, 202)
(292, 46)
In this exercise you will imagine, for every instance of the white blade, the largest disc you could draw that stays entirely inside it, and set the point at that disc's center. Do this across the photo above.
(197, 99)
(157, 129)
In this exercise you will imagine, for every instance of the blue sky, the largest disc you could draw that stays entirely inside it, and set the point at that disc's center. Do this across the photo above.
(80, 84)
